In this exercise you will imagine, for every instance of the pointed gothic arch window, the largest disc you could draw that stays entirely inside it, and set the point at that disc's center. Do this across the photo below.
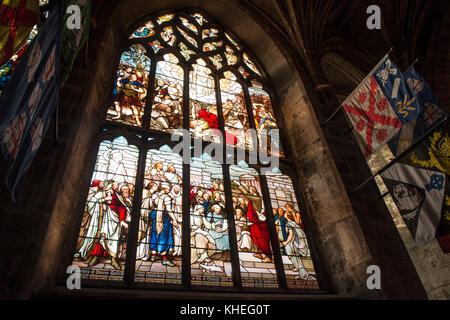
(152, 218)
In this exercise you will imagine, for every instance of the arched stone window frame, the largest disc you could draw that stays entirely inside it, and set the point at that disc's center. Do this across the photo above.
(145, 138)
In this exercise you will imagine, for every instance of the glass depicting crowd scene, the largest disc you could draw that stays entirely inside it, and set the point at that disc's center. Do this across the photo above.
(297, 261)
(210, 247)
(252, 231)
(159, 242)
(101, 247)
(167, 109)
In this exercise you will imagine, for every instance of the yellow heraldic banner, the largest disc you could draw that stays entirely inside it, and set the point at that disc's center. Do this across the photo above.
(17, 19)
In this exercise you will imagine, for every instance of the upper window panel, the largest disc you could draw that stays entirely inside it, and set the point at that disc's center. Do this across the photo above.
(202, 102)
(144, 31)
(190, 62)
(266, 124)
(131, 85)
(237, 125)
(167, 109)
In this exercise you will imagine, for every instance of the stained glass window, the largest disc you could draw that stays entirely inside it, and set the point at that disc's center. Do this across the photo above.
(158, 250)
(130, 88)
(234, 111)
(266, 124)
(210, 244)
(102, 241)
(296, 255)
(144, 31)
(252, 230)
(158, 214)
(167, 109)
(204, 122)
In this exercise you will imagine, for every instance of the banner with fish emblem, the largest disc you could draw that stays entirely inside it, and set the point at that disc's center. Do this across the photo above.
(419, 185)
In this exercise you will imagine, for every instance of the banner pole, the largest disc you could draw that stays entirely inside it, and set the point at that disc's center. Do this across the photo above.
(395, 160)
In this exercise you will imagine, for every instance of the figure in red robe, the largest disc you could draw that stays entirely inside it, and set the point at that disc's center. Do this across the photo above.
(259, 233)
(213, 123)
(118, 207)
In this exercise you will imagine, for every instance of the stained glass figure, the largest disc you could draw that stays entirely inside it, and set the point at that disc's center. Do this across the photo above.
(156, 46)
(199, 18)
(167, 109)
(231, 57)
(210, 247)
(297, 262)
(187, 37)
(252, 231)
(250, 64)
(266, 126)
(164, 18)
(212, 46)
(217, 61)
(131, 86)
(204, 123)
(102, 242)
(235, 112)
(168, 36)
(210, 33)
(158, 253)
(189, 25)
(233, 41)
(144, 31)
(244, 73)
(185, 52)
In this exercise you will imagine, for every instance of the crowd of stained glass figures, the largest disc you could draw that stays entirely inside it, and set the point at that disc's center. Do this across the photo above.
(102, 244)
(175, 42)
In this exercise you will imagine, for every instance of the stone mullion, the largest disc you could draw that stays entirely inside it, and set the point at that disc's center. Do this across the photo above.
(251, 118)
(133, 230)
(234, 254)
(270, 220)
(150, 93)
(186, 228)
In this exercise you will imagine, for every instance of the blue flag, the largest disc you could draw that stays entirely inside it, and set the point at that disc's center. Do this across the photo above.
(431, 112)
(401, 97)
(30, 99)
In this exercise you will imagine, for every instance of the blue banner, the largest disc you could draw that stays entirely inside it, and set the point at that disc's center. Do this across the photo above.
(432, 111)
(402, 99)
(30, 99)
